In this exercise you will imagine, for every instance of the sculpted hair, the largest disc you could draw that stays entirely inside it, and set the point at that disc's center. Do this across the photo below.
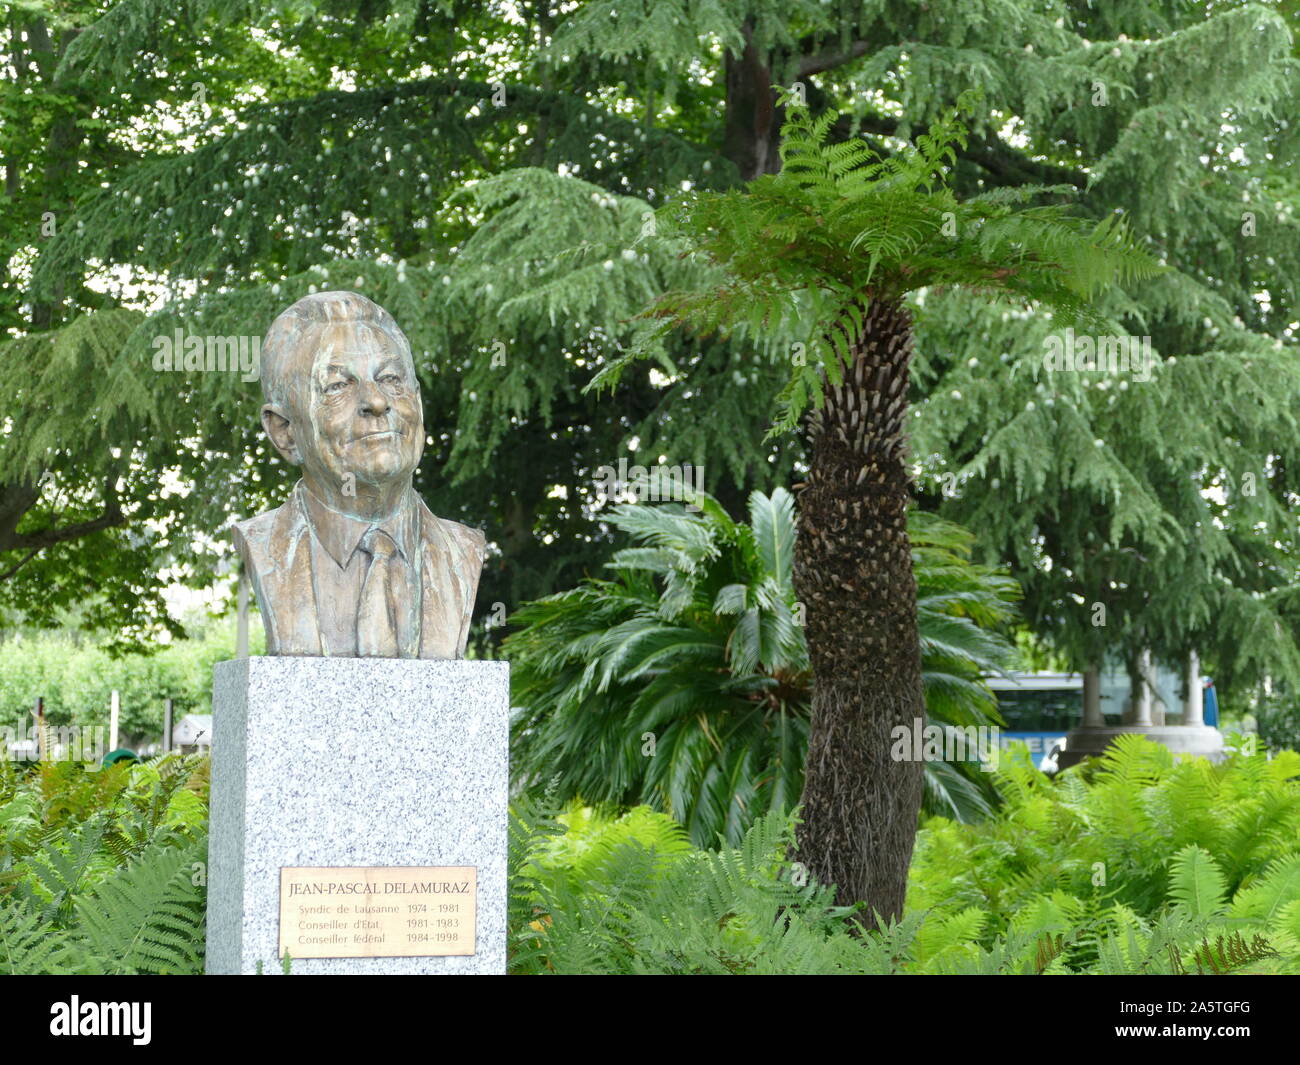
(296, 325)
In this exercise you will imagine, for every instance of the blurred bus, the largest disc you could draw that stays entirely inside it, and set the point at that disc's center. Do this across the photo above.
(1040, 708)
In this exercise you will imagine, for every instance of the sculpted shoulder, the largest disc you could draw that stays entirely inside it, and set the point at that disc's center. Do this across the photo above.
(259, 526)
(470, 541)
(466, 534)
(256, 538)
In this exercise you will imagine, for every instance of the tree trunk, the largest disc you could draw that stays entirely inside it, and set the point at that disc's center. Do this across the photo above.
(751, 136)
(853, 572)
(62, 159)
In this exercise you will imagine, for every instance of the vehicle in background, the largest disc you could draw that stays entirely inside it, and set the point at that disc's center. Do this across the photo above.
(1039, 709)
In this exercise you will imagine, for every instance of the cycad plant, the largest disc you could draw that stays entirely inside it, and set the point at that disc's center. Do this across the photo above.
(834, 244)
(682, 682)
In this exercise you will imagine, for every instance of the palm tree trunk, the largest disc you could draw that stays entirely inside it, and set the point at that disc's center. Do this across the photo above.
(853, 572)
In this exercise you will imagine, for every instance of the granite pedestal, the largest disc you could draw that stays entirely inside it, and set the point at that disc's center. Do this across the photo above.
(354, 762)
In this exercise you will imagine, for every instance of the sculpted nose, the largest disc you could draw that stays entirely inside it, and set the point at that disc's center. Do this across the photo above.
(373, 399)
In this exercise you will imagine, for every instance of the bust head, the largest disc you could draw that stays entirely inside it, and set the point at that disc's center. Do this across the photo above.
(343, 401)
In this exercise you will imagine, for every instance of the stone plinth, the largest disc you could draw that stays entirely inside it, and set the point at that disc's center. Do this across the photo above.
(354, 762)
(1090, 741)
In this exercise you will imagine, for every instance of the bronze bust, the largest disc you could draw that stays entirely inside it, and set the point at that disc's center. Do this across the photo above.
(353, 564)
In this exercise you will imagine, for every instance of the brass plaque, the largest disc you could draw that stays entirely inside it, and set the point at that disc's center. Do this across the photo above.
(378, 911)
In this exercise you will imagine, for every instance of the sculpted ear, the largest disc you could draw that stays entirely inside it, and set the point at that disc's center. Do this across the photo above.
(280, 430)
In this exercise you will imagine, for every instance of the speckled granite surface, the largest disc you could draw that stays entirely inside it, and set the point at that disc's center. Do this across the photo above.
(354, 762)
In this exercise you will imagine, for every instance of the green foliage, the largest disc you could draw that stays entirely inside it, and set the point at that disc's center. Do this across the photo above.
(842, 225)
(143, 918)
(583, 851)
(100, 870)
(1214, 891)
(29, 946)
(683, 681)
(1021, 893)
(1057, 464)
(229, 174)
(641, 904)
(198, 159)
(1278, 721)
(1137, 853)
(76, 679)
(1196, 884)
(641, 911)
(149, 916)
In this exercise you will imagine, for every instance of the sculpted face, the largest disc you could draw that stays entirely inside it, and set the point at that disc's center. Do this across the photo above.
(355, 420)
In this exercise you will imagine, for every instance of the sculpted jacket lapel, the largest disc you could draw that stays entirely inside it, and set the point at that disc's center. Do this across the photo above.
(281, 555)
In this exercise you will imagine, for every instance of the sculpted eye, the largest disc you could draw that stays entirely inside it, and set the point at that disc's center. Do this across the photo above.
(335, 387)
(391, 379)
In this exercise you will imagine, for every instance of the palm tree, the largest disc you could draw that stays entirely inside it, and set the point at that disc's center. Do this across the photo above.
(835, 243)
(683, 682)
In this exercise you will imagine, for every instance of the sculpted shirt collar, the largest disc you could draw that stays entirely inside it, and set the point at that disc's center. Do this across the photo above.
(340, 534)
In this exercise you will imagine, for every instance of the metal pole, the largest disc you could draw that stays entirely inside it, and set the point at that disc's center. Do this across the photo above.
(1194, 703)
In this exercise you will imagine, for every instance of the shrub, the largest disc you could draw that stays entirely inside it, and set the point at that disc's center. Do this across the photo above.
(101, 872)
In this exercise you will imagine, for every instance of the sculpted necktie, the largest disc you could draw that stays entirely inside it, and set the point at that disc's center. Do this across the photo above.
(384, 614)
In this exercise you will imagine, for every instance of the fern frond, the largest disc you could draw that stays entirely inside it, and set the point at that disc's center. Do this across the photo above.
(29, 945)
(1196, 883)
(150, 916)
